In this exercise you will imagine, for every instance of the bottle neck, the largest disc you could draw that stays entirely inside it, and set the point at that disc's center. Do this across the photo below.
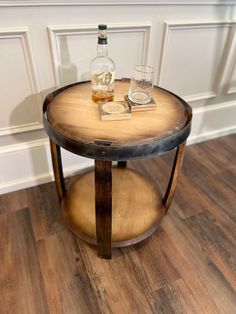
(102, 50)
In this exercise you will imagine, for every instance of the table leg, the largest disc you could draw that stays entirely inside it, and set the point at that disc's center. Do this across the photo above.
(122, 164)
(57, 169)
(179, 156)
(103, 205)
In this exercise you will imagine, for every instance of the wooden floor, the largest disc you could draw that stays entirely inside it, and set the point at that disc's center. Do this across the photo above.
(187, 266)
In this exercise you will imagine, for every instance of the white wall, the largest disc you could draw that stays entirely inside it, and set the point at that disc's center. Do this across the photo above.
(45, 44)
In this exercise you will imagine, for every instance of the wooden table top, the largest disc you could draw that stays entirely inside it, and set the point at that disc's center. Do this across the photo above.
(76, 116)
(73, 115)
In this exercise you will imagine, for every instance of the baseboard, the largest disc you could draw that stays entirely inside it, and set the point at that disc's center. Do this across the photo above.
(41, 179)
(28, 164)
(194, 139)
(213, 121)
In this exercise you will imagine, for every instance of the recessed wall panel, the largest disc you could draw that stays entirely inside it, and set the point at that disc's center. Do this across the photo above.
(73, 48)
(19, 100)
(193, 58)
(232, 82)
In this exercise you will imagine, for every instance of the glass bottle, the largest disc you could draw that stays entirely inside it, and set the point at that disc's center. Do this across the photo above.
(102, 70)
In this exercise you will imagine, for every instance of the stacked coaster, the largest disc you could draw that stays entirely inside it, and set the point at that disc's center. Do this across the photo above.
(114, 110)
(121, 110)
(151, 105)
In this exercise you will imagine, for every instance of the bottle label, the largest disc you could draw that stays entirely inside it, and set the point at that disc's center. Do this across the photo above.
(104, 78)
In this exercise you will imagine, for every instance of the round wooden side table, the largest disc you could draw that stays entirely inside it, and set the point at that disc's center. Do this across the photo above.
(114, 206)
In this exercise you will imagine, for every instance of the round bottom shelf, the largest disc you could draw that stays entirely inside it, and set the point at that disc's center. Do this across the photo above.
(137, 207)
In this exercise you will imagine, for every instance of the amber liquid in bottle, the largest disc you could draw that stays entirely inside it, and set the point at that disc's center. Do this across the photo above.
(102, 96)
(102, 70)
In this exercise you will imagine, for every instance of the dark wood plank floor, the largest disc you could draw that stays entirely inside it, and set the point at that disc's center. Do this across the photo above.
(187, 266)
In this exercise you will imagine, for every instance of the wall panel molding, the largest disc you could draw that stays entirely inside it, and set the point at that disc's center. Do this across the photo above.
(20, 3)
(231, 90)
(206, 122)
(35, 153)
(21, 128)
(21, 33)
(55, 32)
(187, 25)
(230, 64)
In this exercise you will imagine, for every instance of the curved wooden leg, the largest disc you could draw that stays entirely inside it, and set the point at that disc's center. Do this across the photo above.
(174, 175)
(57, 169)
(103, 205)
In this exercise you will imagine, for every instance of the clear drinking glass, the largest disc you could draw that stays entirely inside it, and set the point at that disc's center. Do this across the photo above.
(141, 84)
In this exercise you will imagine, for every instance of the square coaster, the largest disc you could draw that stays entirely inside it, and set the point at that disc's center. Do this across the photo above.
(151, 105)
(114, 110)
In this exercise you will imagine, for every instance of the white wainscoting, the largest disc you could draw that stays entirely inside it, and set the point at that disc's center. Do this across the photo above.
(18, 83)
(70, 66)
(16, 3)
(189, 50)
(206, 122)
(49, 43)
(36, 161)
(230, 72)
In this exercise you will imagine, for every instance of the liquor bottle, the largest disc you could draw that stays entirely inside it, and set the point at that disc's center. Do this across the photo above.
(102, 70)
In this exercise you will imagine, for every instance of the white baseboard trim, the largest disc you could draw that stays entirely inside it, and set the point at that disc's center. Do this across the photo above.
(194, 139)
(213, 121)
(41, 179)
(28, 164)
(25, 183)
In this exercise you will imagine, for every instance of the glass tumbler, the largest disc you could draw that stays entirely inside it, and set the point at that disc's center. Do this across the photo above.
(141, 84)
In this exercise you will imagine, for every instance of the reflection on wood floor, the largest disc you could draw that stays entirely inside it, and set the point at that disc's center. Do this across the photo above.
(187, 266)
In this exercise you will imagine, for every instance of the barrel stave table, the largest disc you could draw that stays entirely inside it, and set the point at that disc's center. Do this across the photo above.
(114, 206)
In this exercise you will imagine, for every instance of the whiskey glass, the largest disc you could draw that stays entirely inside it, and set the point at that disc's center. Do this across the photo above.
(141, 84)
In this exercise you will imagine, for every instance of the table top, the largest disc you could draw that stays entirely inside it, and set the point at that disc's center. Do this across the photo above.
(72, 120)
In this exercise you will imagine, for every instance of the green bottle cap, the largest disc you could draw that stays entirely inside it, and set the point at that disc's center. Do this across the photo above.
(102, 34)
(102, 26)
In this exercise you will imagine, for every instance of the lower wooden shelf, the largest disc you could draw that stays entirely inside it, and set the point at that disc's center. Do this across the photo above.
(137, 207)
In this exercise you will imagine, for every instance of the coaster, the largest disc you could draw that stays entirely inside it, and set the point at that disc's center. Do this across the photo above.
(114, 110)
(151, 105)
